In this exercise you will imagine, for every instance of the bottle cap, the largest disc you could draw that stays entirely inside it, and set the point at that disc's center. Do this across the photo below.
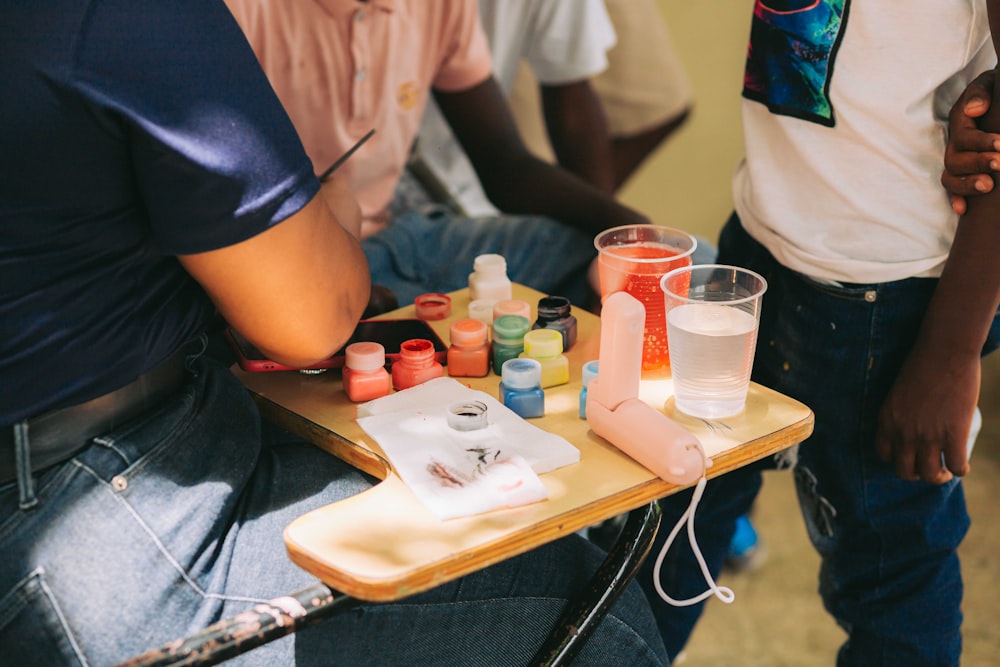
(553, 308)
(512, 307)
(364, 356)
(468, 332)
(432, 306)
(589, 372)
(482, 310)
(541, 343)
(509, 329)
(416, 349)
(467, 415)
(490, 264)
(521, 373)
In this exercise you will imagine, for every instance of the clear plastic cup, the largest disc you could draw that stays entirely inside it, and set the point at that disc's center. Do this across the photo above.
(712, 316)
(633, 259)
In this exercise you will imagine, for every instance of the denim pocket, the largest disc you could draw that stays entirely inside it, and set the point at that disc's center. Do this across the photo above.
(31, 627)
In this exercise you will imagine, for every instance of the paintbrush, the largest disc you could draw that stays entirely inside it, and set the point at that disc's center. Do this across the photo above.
(339, 161)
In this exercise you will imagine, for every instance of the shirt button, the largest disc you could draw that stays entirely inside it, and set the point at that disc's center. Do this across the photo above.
(119, 483)
(360, 16)
(360, 74)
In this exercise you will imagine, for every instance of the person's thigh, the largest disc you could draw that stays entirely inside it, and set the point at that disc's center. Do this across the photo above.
(159, 528)
(498, 616)
(128, 538)
(435, 252)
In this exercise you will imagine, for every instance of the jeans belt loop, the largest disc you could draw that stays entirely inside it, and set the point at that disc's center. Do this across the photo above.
(58, 435)
(22, 458)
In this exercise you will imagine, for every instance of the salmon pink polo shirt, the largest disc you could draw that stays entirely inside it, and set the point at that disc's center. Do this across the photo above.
(343, 67)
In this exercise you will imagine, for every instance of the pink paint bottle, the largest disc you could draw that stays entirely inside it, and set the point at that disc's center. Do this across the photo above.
(364, 376)
(416, 364)
(469, 353)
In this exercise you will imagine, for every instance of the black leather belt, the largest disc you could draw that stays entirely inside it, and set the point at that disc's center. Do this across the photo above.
(56, 436)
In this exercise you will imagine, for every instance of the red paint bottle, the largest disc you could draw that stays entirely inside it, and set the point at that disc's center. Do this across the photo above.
(416, 364)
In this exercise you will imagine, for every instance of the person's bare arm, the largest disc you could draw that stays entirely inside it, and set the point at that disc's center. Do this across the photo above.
(515, 180)
(578, 132)
(342, 203)
(296, 291)
(929, 408)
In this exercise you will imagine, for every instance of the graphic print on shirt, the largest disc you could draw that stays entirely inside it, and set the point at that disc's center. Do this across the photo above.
(790, 58)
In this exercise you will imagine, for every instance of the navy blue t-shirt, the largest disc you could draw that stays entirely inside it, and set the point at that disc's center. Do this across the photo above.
(131, 131)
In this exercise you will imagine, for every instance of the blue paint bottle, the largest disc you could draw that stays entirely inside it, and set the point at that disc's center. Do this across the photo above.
(589, 373)
(521, 387)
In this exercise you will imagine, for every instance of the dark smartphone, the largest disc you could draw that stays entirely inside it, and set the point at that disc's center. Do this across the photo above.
(390, 333)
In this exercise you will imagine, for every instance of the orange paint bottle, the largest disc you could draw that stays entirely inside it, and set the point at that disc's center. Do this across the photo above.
(469, 353)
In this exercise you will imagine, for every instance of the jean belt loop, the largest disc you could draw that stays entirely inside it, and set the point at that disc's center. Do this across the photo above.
(195, 349)
(22, 459)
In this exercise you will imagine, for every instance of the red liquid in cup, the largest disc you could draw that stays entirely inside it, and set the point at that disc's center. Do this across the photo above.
(619, 273)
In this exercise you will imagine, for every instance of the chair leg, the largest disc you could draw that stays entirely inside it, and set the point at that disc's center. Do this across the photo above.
(248, 630)
(583, 614)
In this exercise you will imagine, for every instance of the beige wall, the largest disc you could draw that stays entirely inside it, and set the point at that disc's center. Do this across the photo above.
(686, 183)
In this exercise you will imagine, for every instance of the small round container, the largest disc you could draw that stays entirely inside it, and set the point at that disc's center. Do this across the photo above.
(469, 352)
(416, 364)
(508, 338)
(546, 346)
(482, 310)
(488, 279)
(520, 387)
(554, 312)
(521, 373)
(589, 372)
(432, 306)
(543, 343)
(512, 307)
(364, 376)
(364, 356)
(467, 416)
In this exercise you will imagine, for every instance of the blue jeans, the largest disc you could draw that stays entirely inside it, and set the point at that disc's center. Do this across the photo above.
(890, 574)
(432, 250)
(174, 521)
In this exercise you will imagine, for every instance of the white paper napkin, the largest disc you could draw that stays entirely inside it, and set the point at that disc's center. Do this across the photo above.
(461, 473)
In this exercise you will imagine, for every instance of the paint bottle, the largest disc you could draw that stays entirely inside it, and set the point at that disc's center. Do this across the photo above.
(469, 352)
(520, 387)
(364, 376)
(482, 310)
(488, 280)
(416, 364)
(432, 306)
(589, 373)
(554, 312)
(508, 338)
(545, 346)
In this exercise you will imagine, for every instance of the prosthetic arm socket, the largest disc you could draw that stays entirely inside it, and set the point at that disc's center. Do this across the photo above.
(614, 410)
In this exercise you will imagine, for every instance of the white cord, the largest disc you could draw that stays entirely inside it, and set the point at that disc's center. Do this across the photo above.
(724, 593)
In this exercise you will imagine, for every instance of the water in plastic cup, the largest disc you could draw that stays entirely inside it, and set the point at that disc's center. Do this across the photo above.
(712, 315)
(633, 259)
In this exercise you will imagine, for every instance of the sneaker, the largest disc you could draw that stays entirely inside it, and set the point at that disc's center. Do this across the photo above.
(746, 552)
